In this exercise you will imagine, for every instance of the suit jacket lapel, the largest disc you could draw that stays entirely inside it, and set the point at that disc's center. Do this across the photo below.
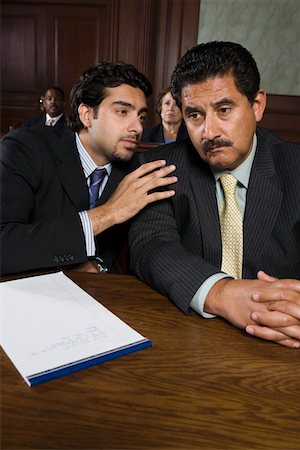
(70, 170)
(60, 124)
(203, 186)
(263, 202)
(72, 175)
(117, 174)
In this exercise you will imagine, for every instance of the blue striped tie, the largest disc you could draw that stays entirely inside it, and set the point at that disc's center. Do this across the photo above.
(96, 179)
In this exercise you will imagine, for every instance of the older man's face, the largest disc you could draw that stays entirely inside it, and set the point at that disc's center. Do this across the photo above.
(221, 121)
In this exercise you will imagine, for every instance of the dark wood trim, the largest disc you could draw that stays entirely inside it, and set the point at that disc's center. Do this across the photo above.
(282, 116)
(177, 31)
(114, 8)
(285, 104)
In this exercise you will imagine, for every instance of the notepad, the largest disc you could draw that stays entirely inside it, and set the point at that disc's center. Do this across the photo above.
(51, 327)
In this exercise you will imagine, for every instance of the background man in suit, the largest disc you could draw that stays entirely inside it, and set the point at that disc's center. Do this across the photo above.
(54, 212)
(53, 103)
(179, 246)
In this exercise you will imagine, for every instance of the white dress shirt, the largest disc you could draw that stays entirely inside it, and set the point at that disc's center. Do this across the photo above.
(89, 166)
(51, 121)
(242, 174)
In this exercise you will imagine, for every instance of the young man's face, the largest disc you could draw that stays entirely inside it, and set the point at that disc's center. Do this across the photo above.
(53, 102)
(114, 134)
(220, 120)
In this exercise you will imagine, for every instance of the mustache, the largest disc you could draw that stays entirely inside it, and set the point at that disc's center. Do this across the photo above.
(131, 137)
(211, 143)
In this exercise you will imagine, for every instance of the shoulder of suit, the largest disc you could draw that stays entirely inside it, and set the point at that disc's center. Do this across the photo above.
(25, 134)
(24, 144)
(266, 139)
(35, 138)
(170, 152)
(277, 156)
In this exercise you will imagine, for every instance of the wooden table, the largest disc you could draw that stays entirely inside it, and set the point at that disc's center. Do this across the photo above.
(203, 385)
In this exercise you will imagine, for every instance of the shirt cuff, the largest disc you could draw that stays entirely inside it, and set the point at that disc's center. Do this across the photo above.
(198, 301)
(88, 233)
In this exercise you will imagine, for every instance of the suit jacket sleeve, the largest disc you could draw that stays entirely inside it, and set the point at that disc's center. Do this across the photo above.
(165, 239)
(40, 226)
(175, 244)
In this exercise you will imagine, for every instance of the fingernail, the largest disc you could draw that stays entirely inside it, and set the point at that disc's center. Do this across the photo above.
(249, 330)
(255, 296)
(296, 345)
(254, 316)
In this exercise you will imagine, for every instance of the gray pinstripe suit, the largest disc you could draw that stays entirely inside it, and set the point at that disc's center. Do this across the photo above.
(176, 244)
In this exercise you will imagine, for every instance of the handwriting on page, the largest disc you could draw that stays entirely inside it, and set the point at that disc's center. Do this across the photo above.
(50, 322)
(91, 334)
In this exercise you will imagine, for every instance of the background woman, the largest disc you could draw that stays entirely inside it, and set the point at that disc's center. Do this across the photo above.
(172, 127)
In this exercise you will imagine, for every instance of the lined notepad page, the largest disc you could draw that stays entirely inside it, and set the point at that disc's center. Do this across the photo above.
(48, 322)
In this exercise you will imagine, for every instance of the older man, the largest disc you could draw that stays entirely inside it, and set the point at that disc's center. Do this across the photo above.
(220, 244)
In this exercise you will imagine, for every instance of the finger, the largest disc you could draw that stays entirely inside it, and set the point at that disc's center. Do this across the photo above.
(149, 167)
(161, 195)
(279, 283)
(157, 183)
(150, 180)
(286, 307)
(287, 283)
(146, 185)
(275, 292)
(292, 331)
(274, 319)
(272, 335)
(289, 343)
(160, 173)
(261, 275)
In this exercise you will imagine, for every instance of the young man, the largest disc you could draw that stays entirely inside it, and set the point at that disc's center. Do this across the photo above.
(188, 247)
(55, 213)
(53, 102)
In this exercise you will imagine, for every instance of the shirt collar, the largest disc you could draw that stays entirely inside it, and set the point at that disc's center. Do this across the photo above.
(242, 172)
(87, 163)
(56, 119)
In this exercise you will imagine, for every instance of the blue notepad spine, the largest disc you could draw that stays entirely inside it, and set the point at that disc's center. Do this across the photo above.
(57, 372)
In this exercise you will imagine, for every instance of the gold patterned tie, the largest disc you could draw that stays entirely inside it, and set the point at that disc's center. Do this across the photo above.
(231, 229)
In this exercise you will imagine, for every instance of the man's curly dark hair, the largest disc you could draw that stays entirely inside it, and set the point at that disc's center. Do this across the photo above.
(91, 86)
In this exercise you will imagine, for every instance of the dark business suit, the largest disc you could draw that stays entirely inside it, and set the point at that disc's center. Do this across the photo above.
(43, 188)
(156, 134)
(176, 244)
(41, 120)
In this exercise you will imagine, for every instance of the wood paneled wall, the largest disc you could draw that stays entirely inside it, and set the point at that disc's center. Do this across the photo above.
(50, 42)
(46, 43)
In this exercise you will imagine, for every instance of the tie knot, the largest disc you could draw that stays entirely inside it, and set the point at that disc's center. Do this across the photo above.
(97, 176)
(96, 179)
(229, 183)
